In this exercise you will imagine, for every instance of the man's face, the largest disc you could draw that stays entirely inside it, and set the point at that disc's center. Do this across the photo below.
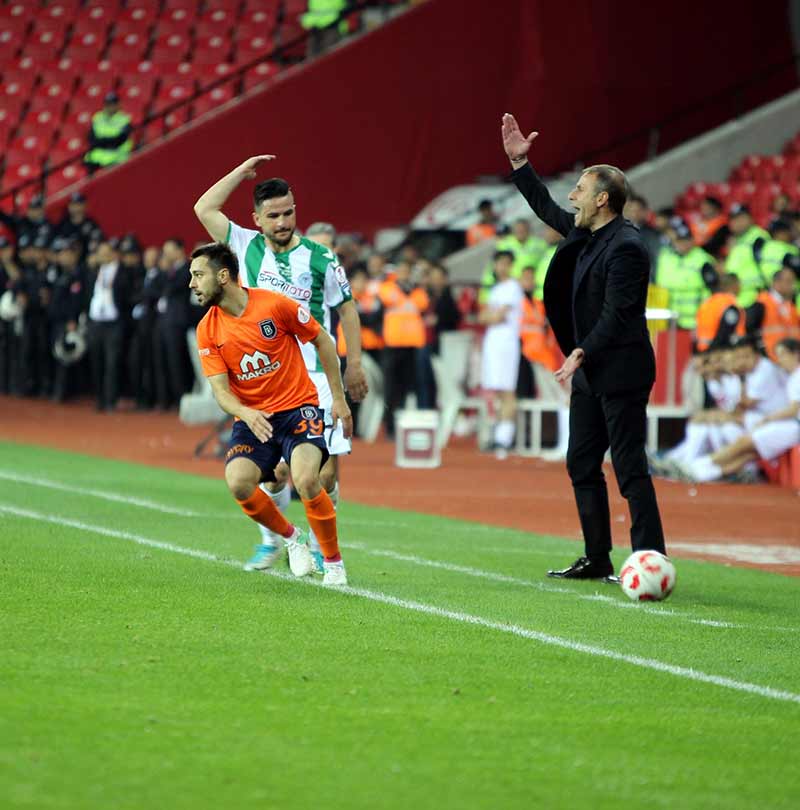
(745, 360)
(739, 224)
(402, 272)
(77, 210)
(67, 258)
(528, 279)
(375, 265)
(277, 219)
(785, 285)
(707, 210)
(683, 245)
(787, 360)
(105, 254)
(502, 267)
(36, 213)
(585, 200)
(635, 212)
(486, 213)
(358, 283)
(205, 282)
(437, 280)
(521, 231)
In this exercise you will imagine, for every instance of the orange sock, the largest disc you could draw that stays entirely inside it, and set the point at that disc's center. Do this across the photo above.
(261, 509)
(322, 519)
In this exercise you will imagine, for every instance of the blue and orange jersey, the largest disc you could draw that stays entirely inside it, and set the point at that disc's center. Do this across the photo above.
(259, 352)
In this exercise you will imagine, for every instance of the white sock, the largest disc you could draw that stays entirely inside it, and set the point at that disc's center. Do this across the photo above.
(313, 543)
(504, 433)
(282, 498)
(704, 469)
(693, 446)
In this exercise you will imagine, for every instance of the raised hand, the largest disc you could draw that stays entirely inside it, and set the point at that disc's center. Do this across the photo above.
(250, 166)
(514, 142)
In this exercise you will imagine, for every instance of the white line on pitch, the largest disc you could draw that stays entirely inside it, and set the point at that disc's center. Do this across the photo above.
(9, 475)
(432, 610)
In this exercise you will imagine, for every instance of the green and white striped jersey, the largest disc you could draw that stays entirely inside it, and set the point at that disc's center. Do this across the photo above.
(309, 274)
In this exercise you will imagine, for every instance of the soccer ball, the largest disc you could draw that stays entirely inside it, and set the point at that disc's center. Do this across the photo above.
(647, 576)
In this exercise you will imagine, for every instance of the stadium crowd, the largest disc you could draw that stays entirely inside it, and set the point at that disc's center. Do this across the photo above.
(83, 313)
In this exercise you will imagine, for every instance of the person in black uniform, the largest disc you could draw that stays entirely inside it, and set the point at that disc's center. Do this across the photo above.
(76, 223)
(68, 300)
(33, 224)
(594, 295)
(10, 275)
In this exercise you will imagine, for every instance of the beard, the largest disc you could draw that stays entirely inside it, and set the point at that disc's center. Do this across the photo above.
(212, 299)
(283, 239)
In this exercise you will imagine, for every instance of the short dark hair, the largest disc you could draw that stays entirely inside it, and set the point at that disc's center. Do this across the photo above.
(790, 344)
(745, 342)
(613, 181)
(269, 189)
(503, 253)
(714, 202)
(637, 198)
(177, 240)
(219, 256)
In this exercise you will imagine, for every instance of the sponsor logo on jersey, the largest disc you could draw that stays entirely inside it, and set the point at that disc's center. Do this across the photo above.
(268, 328)
(256, 365)
(270, 281)
(203, 352)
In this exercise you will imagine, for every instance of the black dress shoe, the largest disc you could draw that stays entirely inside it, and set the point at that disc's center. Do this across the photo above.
(584, 568)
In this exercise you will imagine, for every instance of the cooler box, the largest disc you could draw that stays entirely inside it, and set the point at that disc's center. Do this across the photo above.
(416, 439)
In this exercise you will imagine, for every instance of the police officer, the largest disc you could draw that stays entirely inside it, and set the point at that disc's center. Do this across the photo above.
(68, 302)
(32, 224)
(109, 136)
(10, 322)
(144, 338)
(777, 248)
(77, 224)
(744, 260)
(688, 272)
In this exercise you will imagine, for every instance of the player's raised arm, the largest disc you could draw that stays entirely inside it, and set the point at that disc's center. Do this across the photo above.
(209, 207)
(330, 365)
(257, 421)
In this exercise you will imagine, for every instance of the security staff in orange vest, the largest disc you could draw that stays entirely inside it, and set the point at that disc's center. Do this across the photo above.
(538, 341)
(404, 336)
(774, 314)
(370, 313)
(719, 317)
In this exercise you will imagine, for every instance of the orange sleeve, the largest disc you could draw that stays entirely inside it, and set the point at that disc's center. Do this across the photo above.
(420, 299)
(210, 358)
(296, 319)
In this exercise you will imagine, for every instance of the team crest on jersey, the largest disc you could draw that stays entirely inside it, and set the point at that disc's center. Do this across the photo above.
(308, 413)
(268, 328)
(304, 280)
(302, 315)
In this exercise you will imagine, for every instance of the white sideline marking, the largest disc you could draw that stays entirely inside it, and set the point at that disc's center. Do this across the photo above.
(475, 572)
(745, 552)
(8, 475)
(432, 610)
(539, 586)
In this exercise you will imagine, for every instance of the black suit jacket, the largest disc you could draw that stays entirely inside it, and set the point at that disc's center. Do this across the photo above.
(608, 299)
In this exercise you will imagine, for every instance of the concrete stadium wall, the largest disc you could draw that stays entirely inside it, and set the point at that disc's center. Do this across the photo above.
(375, 129)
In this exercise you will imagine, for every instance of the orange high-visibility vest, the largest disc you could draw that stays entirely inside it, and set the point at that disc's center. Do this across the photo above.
(402, 315)
(538, 341)
(480, 232)
(370, 339)
(709, 318)
(781, 321)
(703, 230)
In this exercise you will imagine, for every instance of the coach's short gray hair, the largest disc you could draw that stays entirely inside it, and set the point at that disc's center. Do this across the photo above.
(613, 181)
(321, 227)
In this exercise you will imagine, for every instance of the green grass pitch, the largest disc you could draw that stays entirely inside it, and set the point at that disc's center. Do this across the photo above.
(140, 667)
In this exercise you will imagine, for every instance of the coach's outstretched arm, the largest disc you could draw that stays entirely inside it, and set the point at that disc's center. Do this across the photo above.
(209, 207)
(330, 365)
(531, 187)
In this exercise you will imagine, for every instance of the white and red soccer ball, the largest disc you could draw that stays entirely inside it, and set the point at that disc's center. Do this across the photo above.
(647, 576)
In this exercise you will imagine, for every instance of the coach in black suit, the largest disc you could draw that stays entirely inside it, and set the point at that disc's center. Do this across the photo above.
(595, 294)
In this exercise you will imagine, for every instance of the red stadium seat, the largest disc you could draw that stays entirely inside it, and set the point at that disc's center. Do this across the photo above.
(66, 148)
(95, 19)
(137, 87)
(83, 105)
(211, 50)
(33, 143)
(24, 64)
(19, 10)
(62, 179)
(56, 25)
(10, 110)
(5, 132)
(162, 126)
(79, 119)
(248, 50)
(42, 123)
(215, 21)
(134, 21)
(14, 29)
(95, 86)
(227, 5)
(190, 5)
(211, 99)
(85, 48)
(19, 168)
(150, 6)
(69, 129)
(174, 21)
(17, 83)
(127, 47)
(173, 91)
(271, 6)
(44, 44)
(170, 49)
(256, 28)
(61, 10)
(259, 74)
(208, 74)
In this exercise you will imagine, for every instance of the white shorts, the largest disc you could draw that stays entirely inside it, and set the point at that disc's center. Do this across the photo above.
(334, 436)
(775, 438)
(500, 365)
